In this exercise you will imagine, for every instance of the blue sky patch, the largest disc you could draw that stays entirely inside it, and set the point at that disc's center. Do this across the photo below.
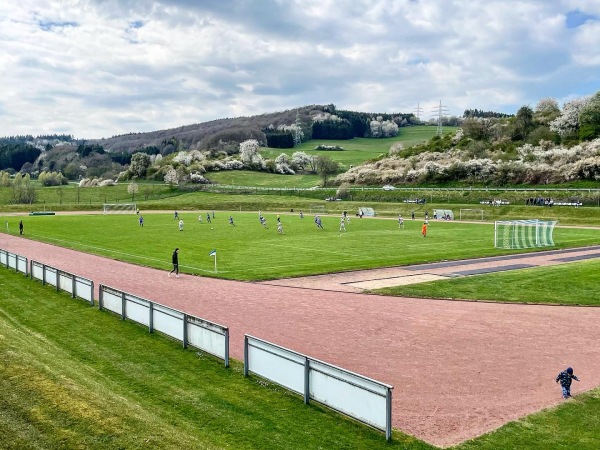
(577, 18)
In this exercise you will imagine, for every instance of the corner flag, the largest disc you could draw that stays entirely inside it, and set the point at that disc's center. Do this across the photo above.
(214, 253)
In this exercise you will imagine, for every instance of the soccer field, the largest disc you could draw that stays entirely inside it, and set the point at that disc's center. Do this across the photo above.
(248, 251)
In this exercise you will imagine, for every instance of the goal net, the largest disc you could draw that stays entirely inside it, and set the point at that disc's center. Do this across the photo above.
(367, 212)
(523, 233)
(119, 208)
(443, 214)
(317, 209)
(471, 214)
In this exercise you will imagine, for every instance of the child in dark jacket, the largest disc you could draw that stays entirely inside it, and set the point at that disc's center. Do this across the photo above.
(565, 378)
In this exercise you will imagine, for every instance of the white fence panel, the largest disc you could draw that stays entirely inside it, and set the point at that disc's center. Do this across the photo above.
(84, 289)
(168, 321)
(3, 257)
(22, 264)
(208, 337)
(37, 270)
(12, 260)
(278, 364)
(65, 282)
(357, 396)
(349, 393)
(137, 309)
(111, 300)
(51, 276)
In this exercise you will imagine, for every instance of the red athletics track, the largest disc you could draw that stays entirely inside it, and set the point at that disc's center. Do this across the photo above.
(459, 369)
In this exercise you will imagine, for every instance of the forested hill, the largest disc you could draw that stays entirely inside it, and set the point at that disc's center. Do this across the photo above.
(222, 133)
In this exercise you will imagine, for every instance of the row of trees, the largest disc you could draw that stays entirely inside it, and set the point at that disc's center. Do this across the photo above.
(14, 155)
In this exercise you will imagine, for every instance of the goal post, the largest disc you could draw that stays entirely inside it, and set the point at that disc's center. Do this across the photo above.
(471, 214)
(515, 234)
(119, 208)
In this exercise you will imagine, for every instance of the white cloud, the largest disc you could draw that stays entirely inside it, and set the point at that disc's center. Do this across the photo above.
(106, 67)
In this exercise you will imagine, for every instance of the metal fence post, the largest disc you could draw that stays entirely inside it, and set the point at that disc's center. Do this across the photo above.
(31, 269)
(43, 274)
(245, 355)
(388, 414)
(73, 286)
(151, 318)
(123, 305)
(92, 293)
(57, 280)
(227, 347)
(306, 381)
(185, 331)
(100, 296)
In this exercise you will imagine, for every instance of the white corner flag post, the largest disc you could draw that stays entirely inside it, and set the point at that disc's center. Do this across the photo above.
(214, 253)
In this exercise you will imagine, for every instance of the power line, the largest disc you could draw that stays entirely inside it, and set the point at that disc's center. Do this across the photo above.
(418, 111)
(439, 112)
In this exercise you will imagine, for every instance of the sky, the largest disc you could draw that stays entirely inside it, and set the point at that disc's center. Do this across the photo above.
(100, 68)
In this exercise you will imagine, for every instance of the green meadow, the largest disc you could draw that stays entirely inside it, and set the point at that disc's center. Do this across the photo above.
(301, 250)
(359, 150)
(564, 284)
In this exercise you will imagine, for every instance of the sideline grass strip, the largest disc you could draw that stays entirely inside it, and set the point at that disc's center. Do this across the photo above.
(566, 284)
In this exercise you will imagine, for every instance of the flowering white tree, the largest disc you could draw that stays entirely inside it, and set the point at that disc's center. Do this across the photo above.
(139, 164)
(383, 128)
(249, 153)
(301, 160)
(171, 177)
(546, 110)
(568, 121)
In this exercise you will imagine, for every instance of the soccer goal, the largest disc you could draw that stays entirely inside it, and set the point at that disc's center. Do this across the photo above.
(471, 214)
(366, 211)
(318, 209)
(119, 208)
(524, 233)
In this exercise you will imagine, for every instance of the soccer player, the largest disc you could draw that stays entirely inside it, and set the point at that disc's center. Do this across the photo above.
(400, 221)
(21, 227)
(231, 221)
(279, 227)
(180, 224)
(301, 215)
(176, 215)
(343, 224)
(424, 229)
(200, 218)
(208, 217)
(263, 222)
(318, 222)
(141, 220)
(175, 261)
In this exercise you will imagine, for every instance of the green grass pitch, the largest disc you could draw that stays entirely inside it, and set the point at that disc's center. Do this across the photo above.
(301, 250)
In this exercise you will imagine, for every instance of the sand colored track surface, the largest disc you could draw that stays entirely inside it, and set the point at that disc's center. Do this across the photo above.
(459, 369)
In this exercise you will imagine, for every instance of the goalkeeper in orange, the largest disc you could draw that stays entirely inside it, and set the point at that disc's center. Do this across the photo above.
(424, 230)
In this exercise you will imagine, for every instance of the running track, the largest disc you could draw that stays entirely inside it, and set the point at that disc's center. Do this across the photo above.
(459, 369)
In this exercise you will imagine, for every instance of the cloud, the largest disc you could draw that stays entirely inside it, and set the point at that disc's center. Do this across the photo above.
(97, 68)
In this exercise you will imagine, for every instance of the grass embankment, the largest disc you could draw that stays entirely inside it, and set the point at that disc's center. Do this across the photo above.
(248, 251)
(74, 377)
(565, 284)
